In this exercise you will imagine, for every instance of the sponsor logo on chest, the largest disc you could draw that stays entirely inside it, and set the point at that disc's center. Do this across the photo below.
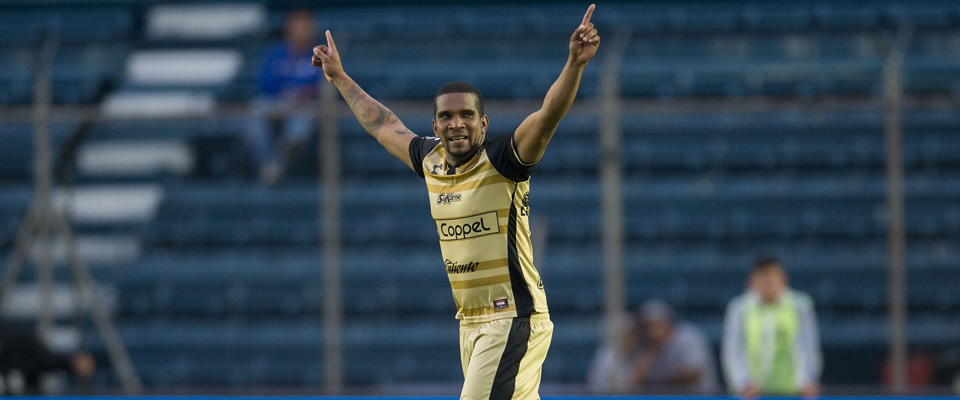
(468, 227)
(454, 267)
(447, 198)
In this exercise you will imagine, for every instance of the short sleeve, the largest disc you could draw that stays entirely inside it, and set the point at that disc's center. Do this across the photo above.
(419, 148)
(503, 155)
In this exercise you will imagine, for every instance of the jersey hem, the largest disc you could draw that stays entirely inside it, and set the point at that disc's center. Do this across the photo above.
(470, 321)
(475, 321)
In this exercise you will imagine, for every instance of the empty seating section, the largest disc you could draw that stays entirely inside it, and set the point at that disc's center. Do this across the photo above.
(675, 50)
(93, 46)
(226, 287)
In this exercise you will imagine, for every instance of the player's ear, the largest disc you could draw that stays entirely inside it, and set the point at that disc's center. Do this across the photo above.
(484, 122)
(434, 122)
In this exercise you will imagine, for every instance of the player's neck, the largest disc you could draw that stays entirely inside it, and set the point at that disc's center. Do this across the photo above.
(456, 162)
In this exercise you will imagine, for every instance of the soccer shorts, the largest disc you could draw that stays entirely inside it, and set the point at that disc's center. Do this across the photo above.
(502, 359)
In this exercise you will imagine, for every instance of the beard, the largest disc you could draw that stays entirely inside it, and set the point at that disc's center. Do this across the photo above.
(463, 149)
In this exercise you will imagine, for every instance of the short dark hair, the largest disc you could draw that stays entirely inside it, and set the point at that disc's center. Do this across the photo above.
(459, 87)
(763, 263)
(304, 13)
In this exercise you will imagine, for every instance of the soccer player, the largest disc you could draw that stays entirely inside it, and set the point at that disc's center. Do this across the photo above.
(478, 188)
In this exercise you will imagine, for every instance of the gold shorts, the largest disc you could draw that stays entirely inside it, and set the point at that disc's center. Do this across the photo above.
(502, 359)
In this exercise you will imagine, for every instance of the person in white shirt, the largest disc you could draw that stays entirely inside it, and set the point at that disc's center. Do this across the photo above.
(661, 355)
(771, 344)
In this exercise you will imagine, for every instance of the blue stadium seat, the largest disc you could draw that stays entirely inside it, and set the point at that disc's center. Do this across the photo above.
(351, 24)
(931, 15)
(704, 19)
(777, 18)
(642, 19)
(556, 22)
(16, 76)
(488, 22)
(73, 25)
(848, 16)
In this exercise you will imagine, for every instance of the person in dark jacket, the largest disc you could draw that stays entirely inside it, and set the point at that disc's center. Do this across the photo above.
(281, 117)
(24, 358)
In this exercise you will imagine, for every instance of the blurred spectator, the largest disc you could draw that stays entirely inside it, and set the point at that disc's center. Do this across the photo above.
(24, 360)
(948, 368)
(281, 116)
(771, 344)
(659, 354)
(608, 373)
(673, 356)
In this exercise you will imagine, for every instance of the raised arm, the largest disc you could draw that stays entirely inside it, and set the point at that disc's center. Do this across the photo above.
(534, 133)
(379, 121)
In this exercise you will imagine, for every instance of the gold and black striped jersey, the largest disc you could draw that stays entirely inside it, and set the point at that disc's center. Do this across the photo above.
(481, 214)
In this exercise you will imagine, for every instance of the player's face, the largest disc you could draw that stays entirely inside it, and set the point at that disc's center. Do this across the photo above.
(769, 284)
(459, 125)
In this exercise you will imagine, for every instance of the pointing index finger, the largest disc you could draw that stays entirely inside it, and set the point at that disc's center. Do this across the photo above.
(330, 43)
(586, 17)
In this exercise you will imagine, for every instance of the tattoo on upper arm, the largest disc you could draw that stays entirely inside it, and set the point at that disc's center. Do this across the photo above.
(404, 132)
(371, 114)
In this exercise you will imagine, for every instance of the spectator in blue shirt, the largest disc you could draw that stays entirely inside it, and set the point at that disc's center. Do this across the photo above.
(288, 89)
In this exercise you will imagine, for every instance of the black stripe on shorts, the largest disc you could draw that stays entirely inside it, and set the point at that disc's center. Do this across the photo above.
(504, 382)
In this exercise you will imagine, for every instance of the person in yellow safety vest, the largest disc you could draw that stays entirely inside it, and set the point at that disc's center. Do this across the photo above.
(771, 344)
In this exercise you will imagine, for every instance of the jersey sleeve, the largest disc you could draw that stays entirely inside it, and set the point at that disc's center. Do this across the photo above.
(419, 148)
(503, 155)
